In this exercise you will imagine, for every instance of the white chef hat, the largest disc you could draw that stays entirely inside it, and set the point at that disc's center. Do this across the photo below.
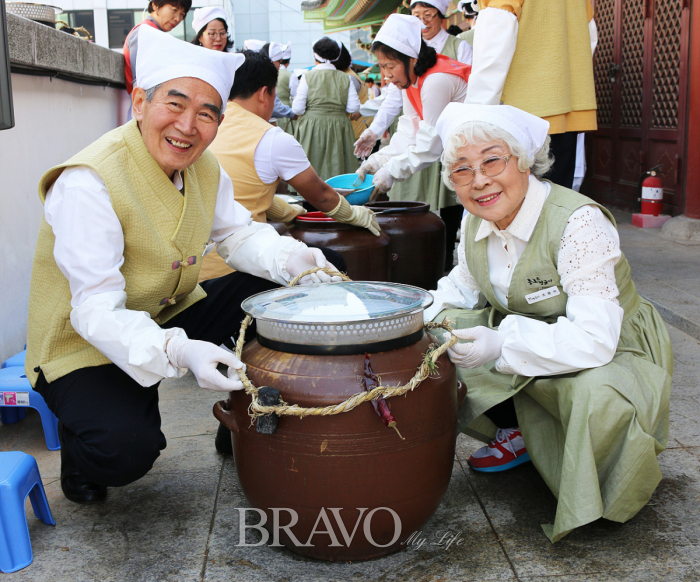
(469, 7)
(253, 45)
(441, 5)
(162, 57)
(320, 59)
(529, 130)
(275, 51)
(402, 33)
(203, 16)
(287, 54)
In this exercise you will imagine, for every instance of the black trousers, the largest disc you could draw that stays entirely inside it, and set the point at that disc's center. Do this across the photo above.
(503, 414)
(563, 147)
(452, 217)
(112, 425)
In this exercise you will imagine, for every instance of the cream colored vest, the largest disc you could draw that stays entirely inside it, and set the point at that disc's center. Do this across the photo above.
(164, 237)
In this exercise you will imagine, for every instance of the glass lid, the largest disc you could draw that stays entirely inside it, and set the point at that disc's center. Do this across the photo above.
(337, 302)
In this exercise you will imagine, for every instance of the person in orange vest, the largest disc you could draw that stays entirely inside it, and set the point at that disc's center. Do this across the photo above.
(428, 83)
(163, 15)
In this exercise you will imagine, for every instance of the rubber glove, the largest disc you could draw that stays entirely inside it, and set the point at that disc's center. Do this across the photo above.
(365, 144)
(355, 215)
(203, 358)
(485, 348)
(282, 211)
(371, 165)
(307, 258)
(382, 181)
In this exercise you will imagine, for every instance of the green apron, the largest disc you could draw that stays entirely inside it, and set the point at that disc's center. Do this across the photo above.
(285, 97)
(467, 35)
(593, 435)
(427, 185)
(325, 131)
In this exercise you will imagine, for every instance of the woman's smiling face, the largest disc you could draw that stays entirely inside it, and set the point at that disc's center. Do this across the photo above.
(494, 198)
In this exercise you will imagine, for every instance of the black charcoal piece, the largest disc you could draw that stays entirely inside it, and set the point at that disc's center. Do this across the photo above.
(268, 397)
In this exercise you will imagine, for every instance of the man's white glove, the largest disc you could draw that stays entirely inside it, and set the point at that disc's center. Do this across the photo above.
(485, 348)
(307, 258)
(203, 358)
(355, 215)
(365, 145)
(382, 181)
(372, 165)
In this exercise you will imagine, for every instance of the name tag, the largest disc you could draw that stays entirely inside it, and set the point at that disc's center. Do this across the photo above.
(15, 398)
(209, 247)
(542, 294)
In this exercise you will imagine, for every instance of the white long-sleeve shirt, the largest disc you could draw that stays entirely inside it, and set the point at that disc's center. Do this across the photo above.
(391, 105)
(89, 249)
(589, 250)
(416, 143)
(299, 103)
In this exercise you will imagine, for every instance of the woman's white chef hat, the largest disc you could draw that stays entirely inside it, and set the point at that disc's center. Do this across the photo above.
(529, 130)
(253, 45)
(203, 16)
(287, 54)
(441, 5)
(402, 33)
(162, 57)
(275, 51)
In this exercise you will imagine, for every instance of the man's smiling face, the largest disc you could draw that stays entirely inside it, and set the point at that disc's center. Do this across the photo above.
(179, 122)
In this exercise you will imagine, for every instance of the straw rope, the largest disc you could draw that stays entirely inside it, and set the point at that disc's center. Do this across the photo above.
(426, 369)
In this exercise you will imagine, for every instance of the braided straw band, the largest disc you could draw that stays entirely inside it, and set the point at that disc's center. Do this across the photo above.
(428, 366)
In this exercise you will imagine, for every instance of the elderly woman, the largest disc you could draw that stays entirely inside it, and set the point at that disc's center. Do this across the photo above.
(568, 367)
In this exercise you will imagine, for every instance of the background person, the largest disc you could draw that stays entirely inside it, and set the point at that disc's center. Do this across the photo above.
(324, 97)
(162, 15)
(211, 29)
(569, 367)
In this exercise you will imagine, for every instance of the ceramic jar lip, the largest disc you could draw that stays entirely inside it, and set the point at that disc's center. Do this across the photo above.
(394, 208)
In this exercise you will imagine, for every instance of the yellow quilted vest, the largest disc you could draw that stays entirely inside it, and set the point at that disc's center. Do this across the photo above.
(164, 236)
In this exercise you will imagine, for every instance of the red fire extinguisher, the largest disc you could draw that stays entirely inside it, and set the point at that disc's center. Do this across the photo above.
(652, 193)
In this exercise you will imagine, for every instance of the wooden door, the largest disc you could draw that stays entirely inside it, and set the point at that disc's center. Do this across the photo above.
(640, 69)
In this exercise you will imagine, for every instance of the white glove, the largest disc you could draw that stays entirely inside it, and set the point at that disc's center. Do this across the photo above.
(485, 348)
(356, 215)
(382, 181)
(364, 145)
(307, 258)
(202, 358)
(371, 165)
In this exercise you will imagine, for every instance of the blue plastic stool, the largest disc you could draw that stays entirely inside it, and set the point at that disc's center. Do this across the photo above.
(19, 477)
(15, 361)
(16, 394)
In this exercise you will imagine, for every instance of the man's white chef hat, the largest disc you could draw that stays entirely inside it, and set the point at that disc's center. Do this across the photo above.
(529, 130)
(275, 51)
(402, 33)
(441, 5)
(253, 45)
(162, 57)
(287, 54)
(203, 16)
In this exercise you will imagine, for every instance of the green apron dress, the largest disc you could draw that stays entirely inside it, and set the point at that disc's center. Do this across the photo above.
(593, 435)
(427, 185)
(325, 131)
(285, 97)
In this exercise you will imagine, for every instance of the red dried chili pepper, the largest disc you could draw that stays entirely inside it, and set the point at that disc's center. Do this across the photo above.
(380, 405)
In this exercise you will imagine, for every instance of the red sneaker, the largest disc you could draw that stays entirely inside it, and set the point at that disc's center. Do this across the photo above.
(506, 451)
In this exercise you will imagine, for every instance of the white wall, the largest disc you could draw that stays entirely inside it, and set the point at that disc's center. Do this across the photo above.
(54, 119)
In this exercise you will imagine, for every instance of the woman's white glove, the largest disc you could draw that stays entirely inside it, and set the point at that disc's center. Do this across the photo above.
(203, 358)
(382, 181)
(307, 258)
(365, 145)
(485, 348)
(371, 165)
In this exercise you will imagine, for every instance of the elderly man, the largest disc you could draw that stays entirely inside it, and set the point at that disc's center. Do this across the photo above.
(114, 304)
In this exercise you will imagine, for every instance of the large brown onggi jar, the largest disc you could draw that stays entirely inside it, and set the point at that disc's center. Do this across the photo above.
(367, 256)
(417, 242)
(349, 466)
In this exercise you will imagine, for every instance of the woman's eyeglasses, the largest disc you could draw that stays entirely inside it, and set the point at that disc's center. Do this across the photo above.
(492, 167)
(214, 35)
(426, 16)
